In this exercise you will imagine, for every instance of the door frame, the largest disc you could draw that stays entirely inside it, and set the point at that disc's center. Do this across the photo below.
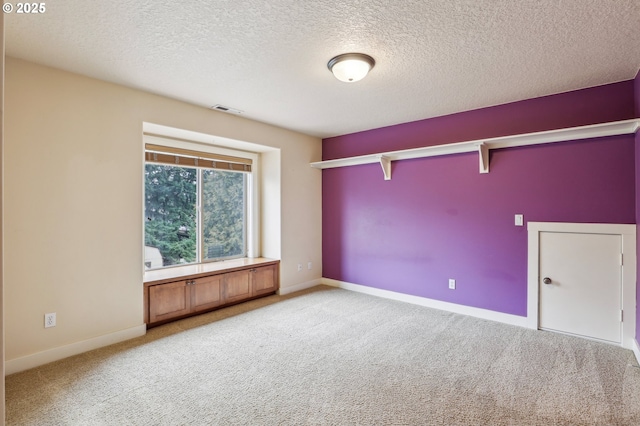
(628, 235)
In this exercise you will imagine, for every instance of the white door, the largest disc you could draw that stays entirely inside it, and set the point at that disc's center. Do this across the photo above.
(581, 284)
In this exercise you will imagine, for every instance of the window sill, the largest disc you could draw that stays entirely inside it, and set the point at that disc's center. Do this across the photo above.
(160, 276)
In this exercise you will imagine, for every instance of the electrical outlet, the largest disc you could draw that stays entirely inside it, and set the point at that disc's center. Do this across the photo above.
(299, 267)
(50, 320)
(452, 284)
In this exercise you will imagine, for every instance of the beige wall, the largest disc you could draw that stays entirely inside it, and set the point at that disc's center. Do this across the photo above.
(73, 202)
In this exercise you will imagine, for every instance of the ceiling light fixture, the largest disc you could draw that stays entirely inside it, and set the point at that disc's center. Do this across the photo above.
(351, 67)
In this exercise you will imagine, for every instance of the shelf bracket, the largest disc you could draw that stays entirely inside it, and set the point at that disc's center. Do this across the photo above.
(483, 155)
(385, 162)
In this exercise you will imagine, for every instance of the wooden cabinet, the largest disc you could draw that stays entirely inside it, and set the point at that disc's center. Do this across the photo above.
(183, 291)
(264, 280)
(170, 300)
(250, 283)
(206, 293)
(237, 286)
(180, 298)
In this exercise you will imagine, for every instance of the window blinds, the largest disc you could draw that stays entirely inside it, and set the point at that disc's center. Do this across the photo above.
(188, 158)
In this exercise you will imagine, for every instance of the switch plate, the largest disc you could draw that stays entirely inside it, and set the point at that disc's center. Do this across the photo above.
(519, 220)
(452, 284)
(309, 265)
(50, 320)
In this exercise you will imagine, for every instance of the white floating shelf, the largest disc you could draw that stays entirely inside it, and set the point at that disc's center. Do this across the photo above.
(482, 146)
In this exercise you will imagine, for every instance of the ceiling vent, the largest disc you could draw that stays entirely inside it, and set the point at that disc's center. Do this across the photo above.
(223, 108)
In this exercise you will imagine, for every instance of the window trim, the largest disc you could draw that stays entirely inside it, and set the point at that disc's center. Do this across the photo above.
(243, 159)
(189, 158)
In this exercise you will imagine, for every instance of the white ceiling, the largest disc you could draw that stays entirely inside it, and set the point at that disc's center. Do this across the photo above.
(268, 58)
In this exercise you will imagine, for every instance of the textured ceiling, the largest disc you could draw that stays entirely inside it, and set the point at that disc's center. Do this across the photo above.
(268, 58)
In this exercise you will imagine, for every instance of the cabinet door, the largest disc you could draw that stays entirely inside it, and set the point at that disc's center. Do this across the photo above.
(206, 292)
(169, 301)
(237, 286)
(265, 279)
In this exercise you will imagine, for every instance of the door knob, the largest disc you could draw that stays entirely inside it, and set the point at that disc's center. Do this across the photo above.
(546, 280)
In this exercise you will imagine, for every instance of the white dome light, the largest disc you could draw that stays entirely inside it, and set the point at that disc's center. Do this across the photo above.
(351, 67)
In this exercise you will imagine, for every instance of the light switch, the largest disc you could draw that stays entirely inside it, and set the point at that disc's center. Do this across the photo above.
(519, 220)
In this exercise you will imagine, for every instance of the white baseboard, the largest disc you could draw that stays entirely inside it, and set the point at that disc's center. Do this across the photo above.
(636, 350)
(40, 358)
(431, 303)
(299, 287)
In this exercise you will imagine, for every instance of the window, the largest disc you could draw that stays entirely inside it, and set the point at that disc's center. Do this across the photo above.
(195, 206)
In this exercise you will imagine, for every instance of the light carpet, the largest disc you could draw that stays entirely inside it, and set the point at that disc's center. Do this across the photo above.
(333, 357)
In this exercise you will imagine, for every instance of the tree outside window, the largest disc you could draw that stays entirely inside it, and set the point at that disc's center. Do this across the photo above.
(175, 232)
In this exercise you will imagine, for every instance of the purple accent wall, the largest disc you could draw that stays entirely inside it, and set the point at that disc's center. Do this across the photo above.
(439, 218)
(600, 104)
(637, 110)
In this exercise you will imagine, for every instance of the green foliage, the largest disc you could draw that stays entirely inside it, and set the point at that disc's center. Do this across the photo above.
(171, 214)
(170, 211)
(223, 213)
